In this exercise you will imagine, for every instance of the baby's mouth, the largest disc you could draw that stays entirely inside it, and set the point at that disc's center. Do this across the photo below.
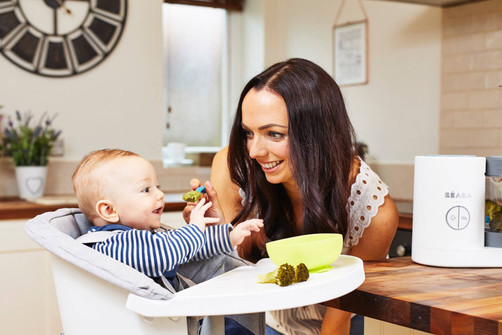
(159, 210)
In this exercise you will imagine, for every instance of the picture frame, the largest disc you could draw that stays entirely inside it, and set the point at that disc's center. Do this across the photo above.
(350, 53)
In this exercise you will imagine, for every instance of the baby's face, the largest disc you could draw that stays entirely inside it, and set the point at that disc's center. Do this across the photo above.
(133, 188)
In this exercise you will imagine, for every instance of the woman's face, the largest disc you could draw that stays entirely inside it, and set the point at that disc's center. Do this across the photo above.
(265, 119)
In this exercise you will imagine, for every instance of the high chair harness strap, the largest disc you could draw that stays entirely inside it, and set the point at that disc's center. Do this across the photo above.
(98, 236)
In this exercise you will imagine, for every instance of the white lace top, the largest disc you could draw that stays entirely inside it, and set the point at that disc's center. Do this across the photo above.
(366, 196)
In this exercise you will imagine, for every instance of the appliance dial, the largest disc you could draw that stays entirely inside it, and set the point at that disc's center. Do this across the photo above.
(458, 217)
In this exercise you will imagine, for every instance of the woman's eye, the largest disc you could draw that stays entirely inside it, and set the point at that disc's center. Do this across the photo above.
(248, 134)
(275, 135)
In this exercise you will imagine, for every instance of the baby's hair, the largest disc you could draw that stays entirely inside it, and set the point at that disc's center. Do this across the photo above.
(87, 180)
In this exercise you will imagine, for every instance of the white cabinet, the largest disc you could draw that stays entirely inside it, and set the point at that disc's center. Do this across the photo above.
(29, 303)
(377, 327)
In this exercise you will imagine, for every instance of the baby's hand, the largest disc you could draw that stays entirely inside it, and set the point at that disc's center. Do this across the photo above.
(210, 195)
(243, 230)
(197, 215)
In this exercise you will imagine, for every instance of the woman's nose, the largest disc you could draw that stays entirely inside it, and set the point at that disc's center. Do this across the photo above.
(256, 148)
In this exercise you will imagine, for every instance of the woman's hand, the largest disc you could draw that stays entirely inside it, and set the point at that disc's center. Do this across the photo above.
(243, 230)
(197, 215)
(214, 211)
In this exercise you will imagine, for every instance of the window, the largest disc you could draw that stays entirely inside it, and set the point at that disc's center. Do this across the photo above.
(195, 48)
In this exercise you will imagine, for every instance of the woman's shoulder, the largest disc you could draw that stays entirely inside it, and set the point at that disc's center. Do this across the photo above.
(221, 154)
(366, 184)
(228, 191)
(354, 169)
(219, 167)
(367, 194)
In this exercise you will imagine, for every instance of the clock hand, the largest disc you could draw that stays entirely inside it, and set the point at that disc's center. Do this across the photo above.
(55, 18)
(62, 5)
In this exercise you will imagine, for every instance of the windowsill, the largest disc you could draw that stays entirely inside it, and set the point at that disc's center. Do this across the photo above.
(195, 156)
(199, 150)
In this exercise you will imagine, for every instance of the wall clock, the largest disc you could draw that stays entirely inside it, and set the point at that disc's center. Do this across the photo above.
(60, 38)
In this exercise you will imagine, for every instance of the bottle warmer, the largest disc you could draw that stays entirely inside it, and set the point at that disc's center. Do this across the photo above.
(449, 213)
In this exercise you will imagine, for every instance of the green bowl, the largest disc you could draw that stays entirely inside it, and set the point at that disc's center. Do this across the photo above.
(316, 251)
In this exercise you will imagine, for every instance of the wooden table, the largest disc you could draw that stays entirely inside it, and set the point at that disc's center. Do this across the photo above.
(435, 300)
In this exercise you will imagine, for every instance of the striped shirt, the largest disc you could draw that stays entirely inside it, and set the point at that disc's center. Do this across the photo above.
(156, 253)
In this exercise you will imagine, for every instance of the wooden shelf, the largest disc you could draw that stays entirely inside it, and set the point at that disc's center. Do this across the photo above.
(16, 208)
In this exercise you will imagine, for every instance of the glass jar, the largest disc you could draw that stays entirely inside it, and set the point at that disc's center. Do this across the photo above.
(493, 193)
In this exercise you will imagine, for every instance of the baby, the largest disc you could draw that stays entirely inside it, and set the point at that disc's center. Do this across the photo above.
(118, 192)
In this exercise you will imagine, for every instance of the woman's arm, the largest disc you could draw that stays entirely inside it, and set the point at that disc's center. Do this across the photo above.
(228, 192)
(374, 244)
(376, 239)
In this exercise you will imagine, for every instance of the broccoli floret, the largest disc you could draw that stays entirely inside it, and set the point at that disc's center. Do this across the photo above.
(285, 275)
(192, 196)
(301, 273)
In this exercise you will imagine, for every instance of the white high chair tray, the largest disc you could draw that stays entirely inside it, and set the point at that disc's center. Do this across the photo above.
(237, 292)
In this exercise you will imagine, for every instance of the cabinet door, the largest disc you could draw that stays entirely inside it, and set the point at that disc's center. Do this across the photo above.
(29, 304)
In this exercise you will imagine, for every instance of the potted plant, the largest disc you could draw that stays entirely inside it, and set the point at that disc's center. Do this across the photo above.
(29, 146)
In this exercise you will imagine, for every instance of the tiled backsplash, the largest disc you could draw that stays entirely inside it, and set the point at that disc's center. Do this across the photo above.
(471, 101)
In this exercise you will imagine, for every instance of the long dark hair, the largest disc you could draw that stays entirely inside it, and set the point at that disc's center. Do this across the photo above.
(321, 146)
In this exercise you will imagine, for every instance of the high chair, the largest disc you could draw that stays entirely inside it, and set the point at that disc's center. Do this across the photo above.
(92, 289)
(100, 295)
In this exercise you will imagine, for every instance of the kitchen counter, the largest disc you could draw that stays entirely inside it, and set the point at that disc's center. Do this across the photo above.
(436, 300)
(16, 208)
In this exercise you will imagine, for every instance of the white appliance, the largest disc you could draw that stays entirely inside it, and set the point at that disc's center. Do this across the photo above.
(449, 213)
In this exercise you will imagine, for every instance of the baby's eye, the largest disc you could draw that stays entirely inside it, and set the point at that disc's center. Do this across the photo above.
(146, 190)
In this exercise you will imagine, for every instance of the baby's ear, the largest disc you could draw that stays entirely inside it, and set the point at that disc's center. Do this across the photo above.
(105, 210)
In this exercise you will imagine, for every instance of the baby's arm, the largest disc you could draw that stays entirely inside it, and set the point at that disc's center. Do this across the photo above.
(222, 239)
(153, 254)
(243, 230)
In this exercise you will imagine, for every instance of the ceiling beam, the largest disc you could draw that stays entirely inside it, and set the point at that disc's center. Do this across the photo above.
(225, 4)
(439, 3)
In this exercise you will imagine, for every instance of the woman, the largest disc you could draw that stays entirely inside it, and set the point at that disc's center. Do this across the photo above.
(291, 162)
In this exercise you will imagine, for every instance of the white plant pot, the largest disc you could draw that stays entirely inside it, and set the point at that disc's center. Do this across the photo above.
(31, 181)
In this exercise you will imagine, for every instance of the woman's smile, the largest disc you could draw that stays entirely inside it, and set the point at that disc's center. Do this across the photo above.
(270, 167)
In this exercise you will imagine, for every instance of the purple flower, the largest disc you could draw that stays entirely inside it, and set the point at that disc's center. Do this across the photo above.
(37, 131)
(27, 144)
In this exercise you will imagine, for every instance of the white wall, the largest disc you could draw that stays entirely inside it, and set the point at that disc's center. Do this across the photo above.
(116, 104)
(397, 112)
(120, 102)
